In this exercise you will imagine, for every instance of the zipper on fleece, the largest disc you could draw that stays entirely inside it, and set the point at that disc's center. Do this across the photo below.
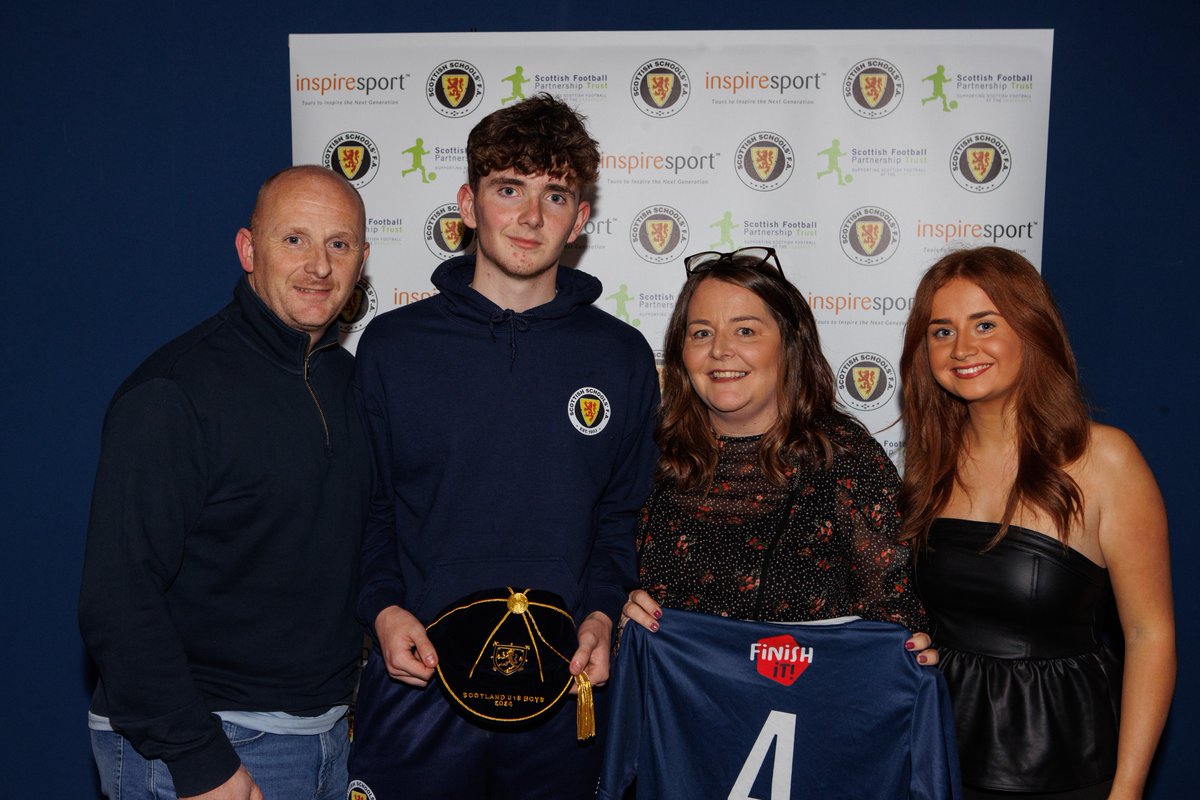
(316, 402)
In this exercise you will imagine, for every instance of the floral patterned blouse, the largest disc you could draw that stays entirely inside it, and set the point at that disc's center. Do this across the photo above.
(727, 550)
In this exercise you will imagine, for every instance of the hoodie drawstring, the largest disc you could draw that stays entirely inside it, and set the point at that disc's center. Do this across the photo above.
(516, 322)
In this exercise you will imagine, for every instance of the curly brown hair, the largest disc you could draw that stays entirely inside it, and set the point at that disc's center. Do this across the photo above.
(1052, 420)
(541, 135)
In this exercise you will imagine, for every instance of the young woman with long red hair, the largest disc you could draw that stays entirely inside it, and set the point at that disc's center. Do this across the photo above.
(1027, 517)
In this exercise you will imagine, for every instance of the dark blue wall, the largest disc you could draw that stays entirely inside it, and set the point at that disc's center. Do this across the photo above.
(136, 134)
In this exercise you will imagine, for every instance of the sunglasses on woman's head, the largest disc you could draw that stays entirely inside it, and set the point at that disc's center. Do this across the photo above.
(753, 257)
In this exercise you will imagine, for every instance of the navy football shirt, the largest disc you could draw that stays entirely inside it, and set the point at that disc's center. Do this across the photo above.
(709, 707)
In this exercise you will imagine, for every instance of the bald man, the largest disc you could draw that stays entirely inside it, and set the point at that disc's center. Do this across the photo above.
(219, 583)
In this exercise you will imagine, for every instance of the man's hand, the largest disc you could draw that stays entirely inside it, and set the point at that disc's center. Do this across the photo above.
(240, 786)
(595, 642)
(407, 652)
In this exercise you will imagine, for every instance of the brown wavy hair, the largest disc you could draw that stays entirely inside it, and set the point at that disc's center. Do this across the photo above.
(1051, 415)
(806, 391)
(541, 135)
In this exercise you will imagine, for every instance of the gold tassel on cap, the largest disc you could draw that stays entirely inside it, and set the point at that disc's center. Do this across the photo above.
(585, 709)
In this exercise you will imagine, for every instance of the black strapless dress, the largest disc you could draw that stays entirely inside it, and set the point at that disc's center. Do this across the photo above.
(1036, 692)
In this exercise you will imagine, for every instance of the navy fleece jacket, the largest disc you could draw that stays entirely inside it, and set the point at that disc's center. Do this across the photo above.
(512, 449)
(222, 552)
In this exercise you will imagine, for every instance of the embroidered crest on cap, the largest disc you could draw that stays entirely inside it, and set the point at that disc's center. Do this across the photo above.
(588, 410)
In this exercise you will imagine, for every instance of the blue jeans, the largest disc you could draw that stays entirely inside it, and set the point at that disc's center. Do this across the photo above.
(284, 767)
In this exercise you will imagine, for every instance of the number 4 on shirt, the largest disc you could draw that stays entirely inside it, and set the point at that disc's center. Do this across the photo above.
(779, 728)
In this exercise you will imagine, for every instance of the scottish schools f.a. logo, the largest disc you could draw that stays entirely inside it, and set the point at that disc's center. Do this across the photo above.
(588, 410)
(980, 162)
(353, 156)
(869, 235)
(764, 161)
(660, 88)
(446, 235)
(780, 658)
(866, 381)
(360, 307)
(873, 88)
(357, 790)
(454, 88)
(659, 234)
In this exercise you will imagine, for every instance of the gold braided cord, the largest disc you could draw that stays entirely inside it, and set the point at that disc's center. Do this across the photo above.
(471, 674)
(585, 709)
(527, 617)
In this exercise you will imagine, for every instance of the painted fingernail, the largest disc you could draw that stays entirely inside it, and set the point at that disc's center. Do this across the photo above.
(921, 659)
(910, 645)
(658, 614)
(653, 626)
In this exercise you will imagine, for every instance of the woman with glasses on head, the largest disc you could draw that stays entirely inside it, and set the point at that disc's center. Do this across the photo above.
(769, 503)
(1027, 517)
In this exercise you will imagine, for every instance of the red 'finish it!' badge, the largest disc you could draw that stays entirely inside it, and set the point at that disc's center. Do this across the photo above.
(780, 658)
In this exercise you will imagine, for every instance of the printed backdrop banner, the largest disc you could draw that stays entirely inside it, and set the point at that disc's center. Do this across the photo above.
(860, 156)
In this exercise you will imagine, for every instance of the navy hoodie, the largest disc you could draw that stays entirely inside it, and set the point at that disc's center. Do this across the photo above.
(512, 449)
